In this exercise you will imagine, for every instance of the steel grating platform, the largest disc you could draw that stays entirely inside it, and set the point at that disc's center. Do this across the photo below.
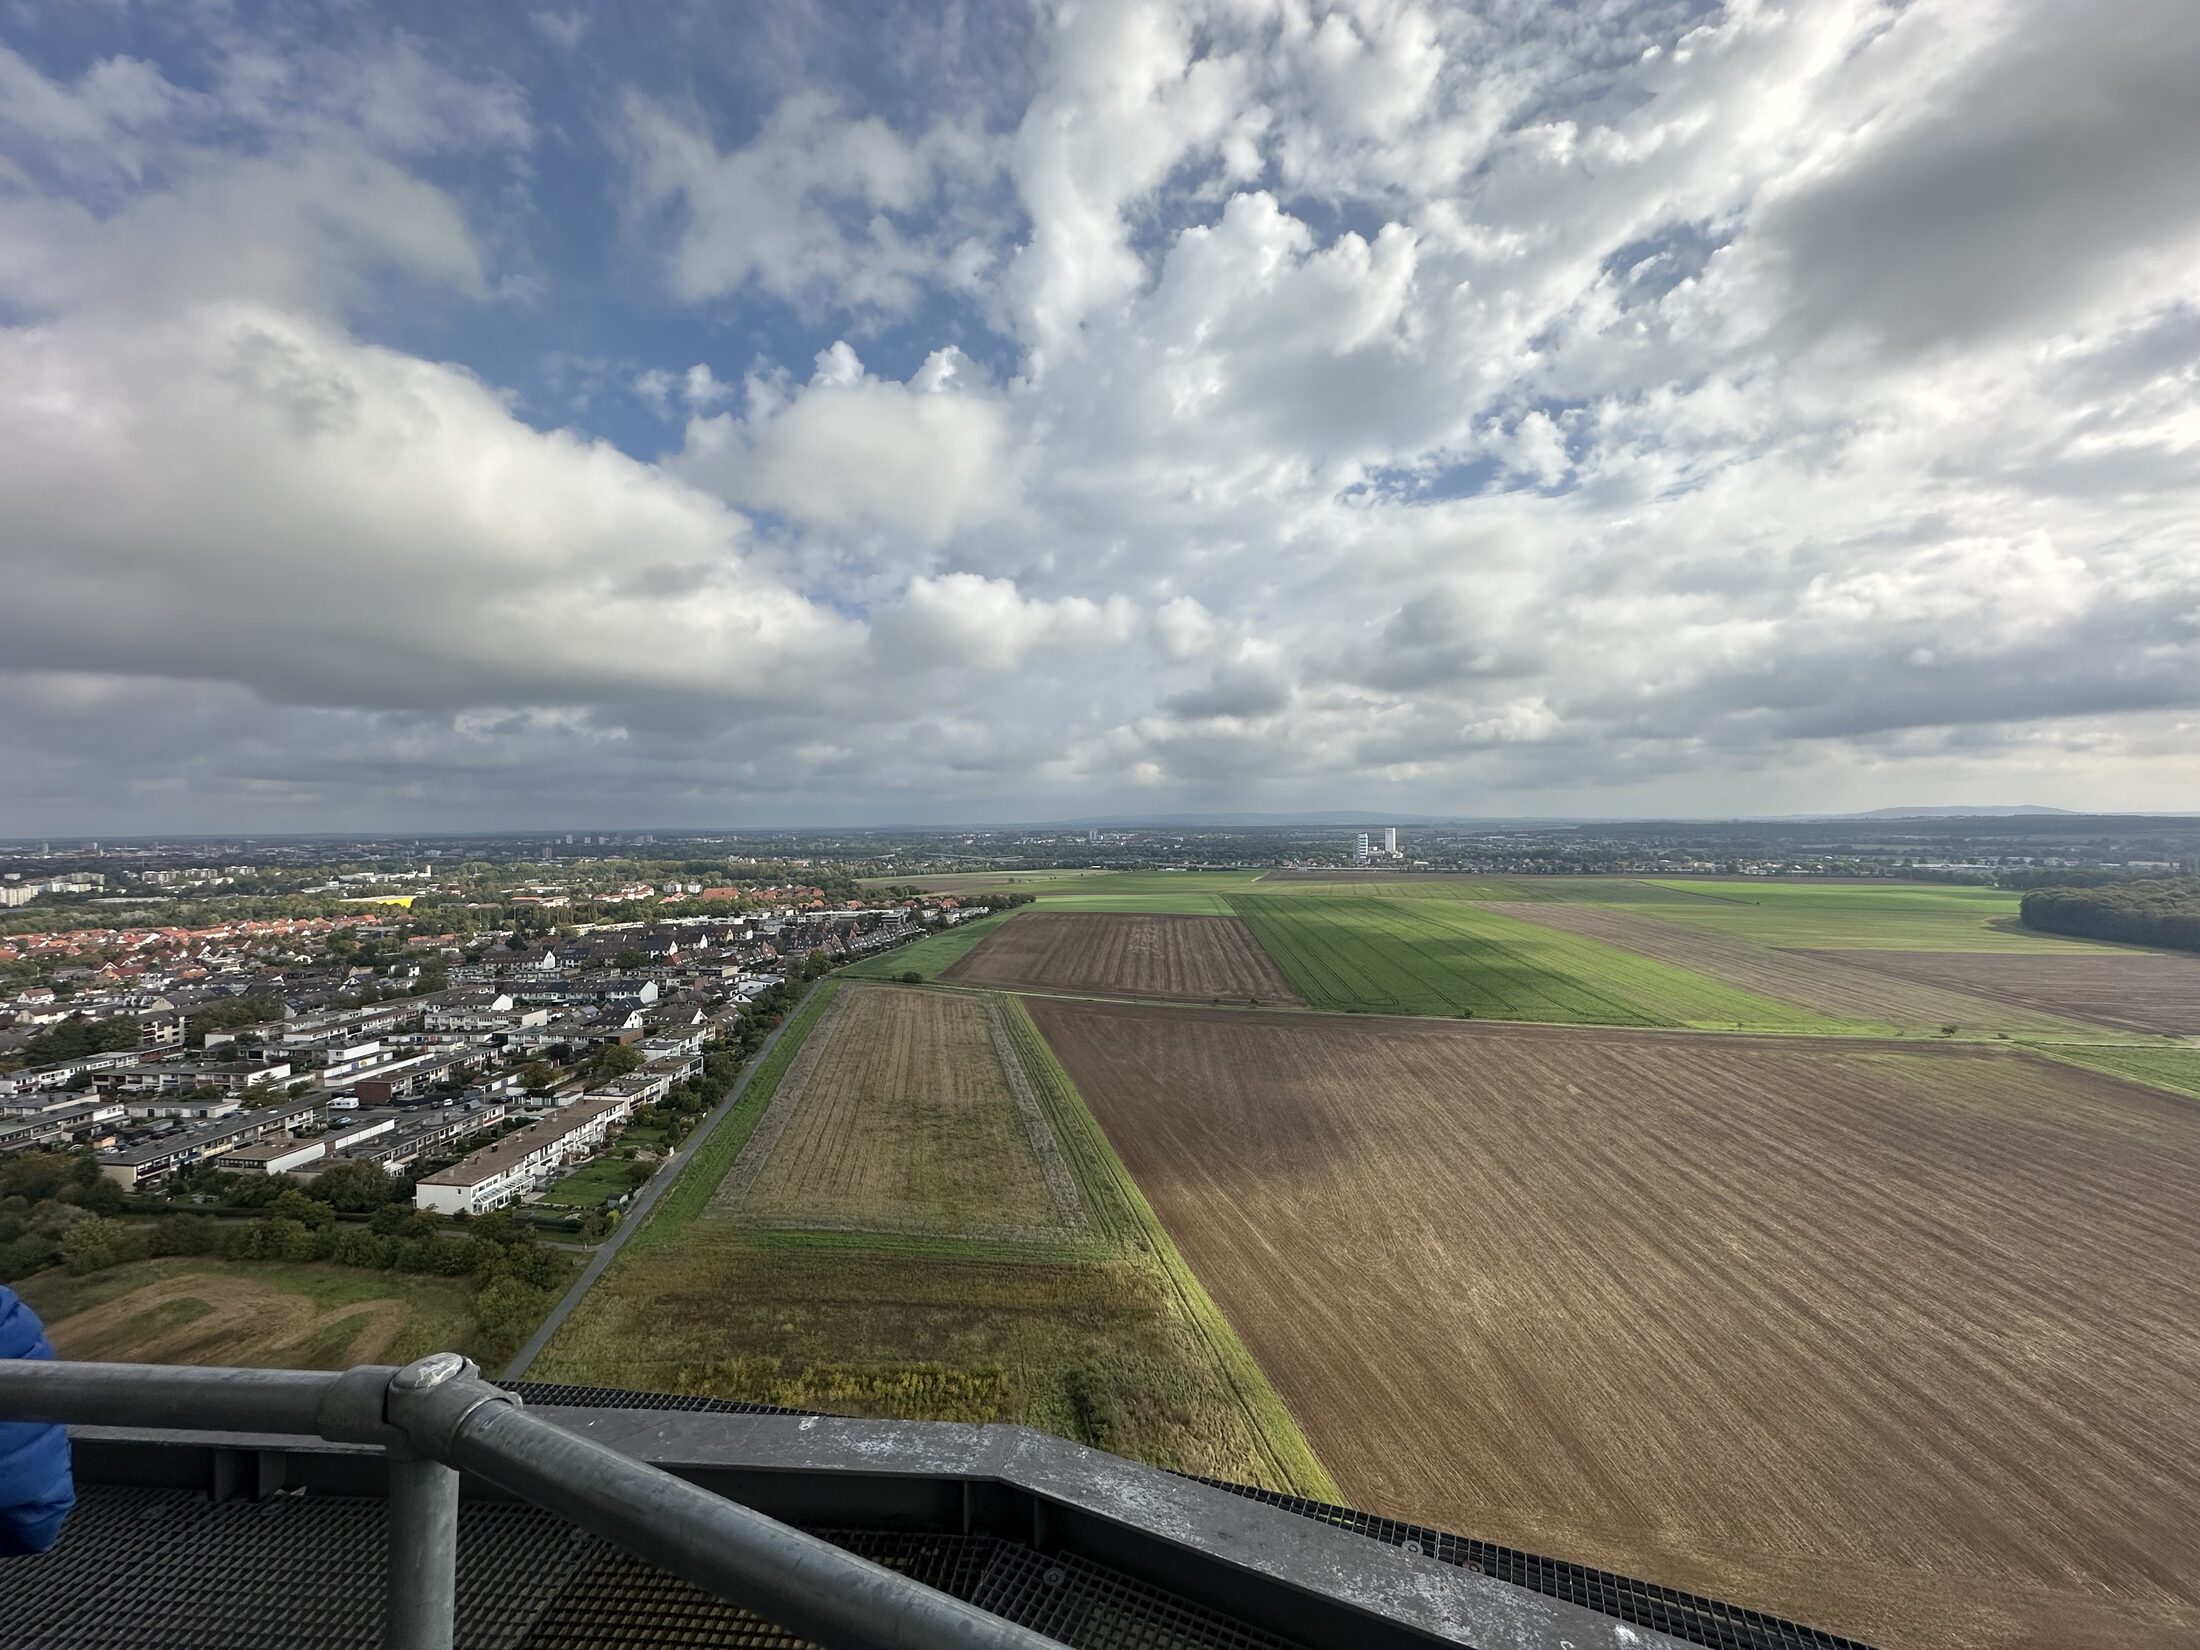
(1687, 1616)
(167, 1569)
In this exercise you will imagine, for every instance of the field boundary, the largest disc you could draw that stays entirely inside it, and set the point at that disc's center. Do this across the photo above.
(955, 943)
(690, 1195)
(665, 1205)
(779, 1108)
(1062, 1192)
(1275, 1431)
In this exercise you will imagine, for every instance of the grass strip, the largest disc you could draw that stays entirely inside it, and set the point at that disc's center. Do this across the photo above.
(1114, 1199)
(928, 957)
(690, 1195)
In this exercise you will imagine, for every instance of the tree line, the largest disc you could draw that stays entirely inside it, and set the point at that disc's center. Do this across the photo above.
(2163, 911)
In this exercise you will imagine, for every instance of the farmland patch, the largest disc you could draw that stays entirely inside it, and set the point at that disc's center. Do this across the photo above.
(1840, 984)
(255, 1314)
(1898, 1341)
(1450, 957)
(1179, 959)
(2130, 989)
(902, 1114)
(1860, 916)
(985, 1301)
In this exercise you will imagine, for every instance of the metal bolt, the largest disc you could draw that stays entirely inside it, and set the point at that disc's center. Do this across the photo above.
(1054, 1577)
(433, 1370)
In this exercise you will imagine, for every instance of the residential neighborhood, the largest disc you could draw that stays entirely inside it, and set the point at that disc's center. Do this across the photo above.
(478, 1067)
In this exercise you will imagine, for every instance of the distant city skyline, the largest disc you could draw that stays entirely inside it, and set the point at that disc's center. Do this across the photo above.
(434, 418)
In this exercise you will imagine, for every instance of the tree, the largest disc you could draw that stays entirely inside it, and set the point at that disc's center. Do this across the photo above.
(538, 1076)
(96, 1244)
(102, 1197)
(630, 960)
(356, 1247)
(506, 1308)
(80, 1035)
(295, 1205)
(615, 1060)
(353, 1187)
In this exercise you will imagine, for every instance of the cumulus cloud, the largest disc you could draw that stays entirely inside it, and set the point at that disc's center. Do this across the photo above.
(330, 523)
(820, 207)
(849, 451)
(1241, 403)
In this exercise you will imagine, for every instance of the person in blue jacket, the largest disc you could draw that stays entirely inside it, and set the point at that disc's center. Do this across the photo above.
(36, 1491)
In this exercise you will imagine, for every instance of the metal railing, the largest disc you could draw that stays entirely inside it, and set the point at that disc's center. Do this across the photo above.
(437, 1417)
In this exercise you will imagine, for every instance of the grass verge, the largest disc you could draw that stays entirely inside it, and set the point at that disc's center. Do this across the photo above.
(928, 957)
(690, 1195)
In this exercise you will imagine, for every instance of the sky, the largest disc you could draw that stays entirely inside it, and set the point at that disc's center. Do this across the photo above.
(497, 416)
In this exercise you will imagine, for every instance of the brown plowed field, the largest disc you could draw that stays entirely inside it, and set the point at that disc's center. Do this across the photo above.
(1170, 959)
(1901, 1342)
(1839, 983)
(2134, 990)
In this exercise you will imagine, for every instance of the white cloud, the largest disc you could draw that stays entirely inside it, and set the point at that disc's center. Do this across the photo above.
(819, 208)
(1256, 402)
(239, 495)
(850, 452)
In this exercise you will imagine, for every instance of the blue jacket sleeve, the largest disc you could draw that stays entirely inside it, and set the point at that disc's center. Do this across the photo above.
(36, 1491)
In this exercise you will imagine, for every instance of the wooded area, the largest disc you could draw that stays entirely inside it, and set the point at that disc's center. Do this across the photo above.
(2162, 912)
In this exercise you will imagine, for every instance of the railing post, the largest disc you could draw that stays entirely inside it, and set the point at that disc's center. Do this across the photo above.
(420, 1598)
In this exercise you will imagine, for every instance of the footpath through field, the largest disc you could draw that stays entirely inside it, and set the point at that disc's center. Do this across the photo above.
(638, 1211)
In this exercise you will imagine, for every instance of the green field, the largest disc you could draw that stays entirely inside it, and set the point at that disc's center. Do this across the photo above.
(927, 956)
(1859, 916)
(1186, 904)
(1101, 1336)
(1423, 956)
(1345, 885)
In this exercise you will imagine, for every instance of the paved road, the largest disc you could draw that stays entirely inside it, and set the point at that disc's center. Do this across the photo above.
(638, 1211)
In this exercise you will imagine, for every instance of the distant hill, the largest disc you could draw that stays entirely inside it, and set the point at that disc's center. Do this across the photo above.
(1957, 812)
(1240, 822)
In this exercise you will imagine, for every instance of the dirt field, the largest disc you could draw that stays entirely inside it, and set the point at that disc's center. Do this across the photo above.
(2132, 990)
(1845, 984)
(194, 1311)
(1172, 959)
(902, 1114)
(1901, 1342)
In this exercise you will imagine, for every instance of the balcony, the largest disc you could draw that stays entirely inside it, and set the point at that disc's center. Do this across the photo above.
(424, 1507)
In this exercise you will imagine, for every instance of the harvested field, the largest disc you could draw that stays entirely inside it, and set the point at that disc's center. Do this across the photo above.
(1842, 984)
(1093, 1328)
(2130, 989)
(1175, 959)
(266, 1316)
(1898, 1341)
(901, 1115)
(2176, 1069)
